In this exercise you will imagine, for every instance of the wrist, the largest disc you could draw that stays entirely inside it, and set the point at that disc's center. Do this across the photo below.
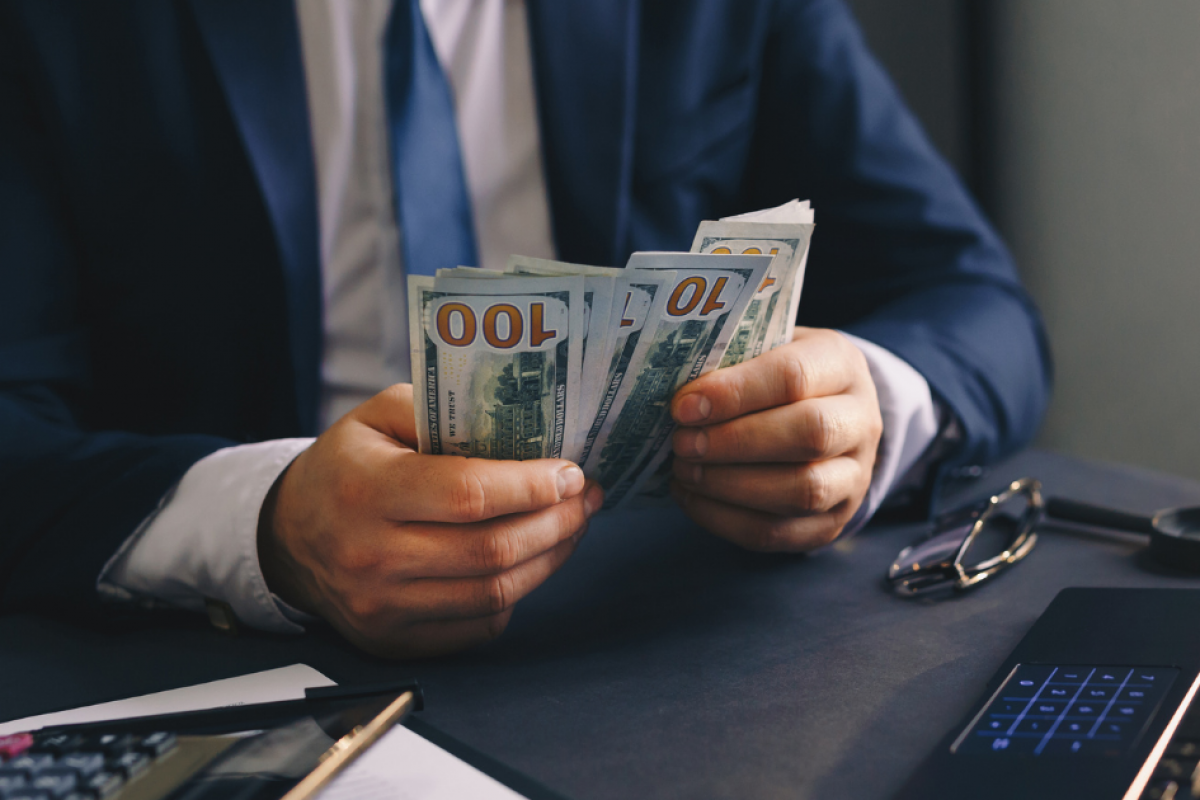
(279, 568)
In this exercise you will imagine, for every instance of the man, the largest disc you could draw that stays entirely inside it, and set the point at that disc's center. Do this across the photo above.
(206, 212)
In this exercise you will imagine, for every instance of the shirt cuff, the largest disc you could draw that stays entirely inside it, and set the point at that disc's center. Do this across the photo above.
(911, 422)
(202, 542)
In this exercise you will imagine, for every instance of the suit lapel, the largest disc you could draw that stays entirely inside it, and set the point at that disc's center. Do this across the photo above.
(255, 48)
(585, 70)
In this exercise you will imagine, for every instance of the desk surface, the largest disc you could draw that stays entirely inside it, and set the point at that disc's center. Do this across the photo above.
(662, 663)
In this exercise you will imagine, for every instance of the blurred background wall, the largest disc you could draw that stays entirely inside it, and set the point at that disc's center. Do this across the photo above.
(1078, 124)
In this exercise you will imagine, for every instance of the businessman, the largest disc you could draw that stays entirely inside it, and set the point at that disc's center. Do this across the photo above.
(207, 210)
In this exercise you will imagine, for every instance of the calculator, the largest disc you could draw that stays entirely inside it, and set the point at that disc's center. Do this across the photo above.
(271, 751)
(1098, 701)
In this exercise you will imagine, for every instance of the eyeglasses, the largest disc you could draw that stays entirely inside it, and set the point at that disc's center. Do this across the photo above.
(971, 544)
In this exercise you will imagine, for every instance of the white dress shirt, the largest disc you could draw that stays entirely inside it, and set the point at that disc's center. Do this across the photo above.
(202, 541)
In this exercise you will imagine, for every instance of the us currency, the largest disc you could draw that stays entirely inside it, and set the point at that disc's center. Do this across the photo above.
(793, 212)
(496, 364)
(787, 245)
(706, 299)
(599, 288)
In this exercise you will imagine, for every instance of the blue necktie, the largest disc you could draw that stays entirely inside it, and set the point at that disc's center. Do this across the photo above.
(432, 206)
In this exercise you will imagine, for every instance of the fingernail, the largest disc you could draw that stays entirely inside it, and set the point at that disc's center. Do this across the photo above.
(593, 499)
(690, 442)
(694, 407)
(570, 481)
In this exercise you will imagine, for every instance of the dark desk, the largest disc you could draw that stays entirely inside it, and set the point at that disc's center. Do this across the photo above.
(662, 663)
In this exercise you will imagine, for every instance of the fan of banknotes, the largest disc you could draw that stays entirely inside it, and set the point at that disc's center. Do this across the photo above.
(556, 360)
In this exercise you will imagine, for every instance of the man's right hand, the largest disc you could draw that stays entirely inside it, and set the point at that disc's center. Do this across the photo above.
(409, 554)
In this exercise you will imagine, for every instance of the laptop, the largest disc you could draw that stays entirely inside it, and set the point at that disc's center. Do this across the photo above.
(1097, 701)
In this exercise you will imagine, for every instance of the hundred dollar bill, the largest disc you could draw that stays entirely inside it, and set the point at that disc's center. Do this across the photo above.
(793, 212)
(496, 364)
(598, 290)
(704, 303)
(787, 245)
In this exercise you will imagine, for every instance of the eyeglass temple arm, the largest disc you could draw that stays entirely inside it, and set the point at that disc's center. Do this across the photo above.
(1098, 516)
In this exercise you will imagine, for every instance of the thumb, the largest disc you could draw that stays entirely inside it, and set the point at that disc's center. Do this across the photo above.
(391, 413)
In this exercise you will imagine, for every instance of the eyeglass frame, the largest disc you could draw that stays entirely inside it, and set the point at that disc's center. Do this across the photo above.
(959, 577)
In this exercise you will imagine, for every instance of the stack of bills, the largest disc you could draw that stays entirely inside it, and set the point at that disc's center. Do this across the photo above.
(556, 360)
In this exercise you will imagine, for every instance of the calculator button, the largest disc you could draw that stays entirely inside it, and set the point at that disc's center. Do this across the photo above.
(998, 724)
(58, 743)
(157, 744)
(12, 779)
(56, 780)
(104, 784)
(131, 764)
(15, 744)
(1085, 710)
(1010, 708)
(29, 793)
(84, 763)
(1133, 695)
(1097, 693)
(31, 763)
(116, 744)
(1070, 728)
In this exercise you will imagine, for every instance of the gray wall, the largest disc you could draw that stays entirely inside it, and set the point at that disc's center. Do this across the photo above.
(1091, 170)
(1097, 182)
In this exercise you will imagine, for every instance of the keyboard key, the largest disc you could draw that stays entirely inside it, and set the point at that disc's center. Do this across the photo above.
(1081, 747)
(13, 745)
(86, 764)
(1034, 726)
(104, 784)
(131, 764)
(1162, 790)
(998, 724)
(1182, 748)
(56, 780)
(1071, 728)
(1097, 693)
(1085, 710)
(1047, 708)
(1175, 769)
(157, 744)
(1133, 695)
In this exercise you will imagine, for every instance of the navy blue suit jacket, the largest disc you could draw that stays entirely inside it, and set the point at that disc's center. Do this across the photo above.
(159, 272)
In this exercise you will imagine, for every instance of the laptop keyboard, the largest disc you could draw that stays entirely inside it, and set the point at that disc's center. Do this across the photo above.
(65, 766)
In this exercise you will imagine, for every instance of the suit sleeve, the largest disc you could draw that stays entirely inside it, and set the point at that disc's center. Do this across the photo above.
(902, 256)
(69, 494)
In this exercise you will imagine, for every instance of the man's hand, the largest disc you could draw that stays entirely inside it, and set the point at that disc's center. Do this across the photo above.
(409, 554)
(778, 451)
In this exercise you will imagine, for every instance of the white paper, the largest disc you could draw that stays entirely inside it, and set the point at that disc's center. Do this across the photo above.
(273, 685)
(404, 766)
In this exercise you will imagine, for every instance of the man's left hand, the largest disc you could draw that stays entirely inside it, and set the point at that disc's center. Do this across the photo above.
(776, 453)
